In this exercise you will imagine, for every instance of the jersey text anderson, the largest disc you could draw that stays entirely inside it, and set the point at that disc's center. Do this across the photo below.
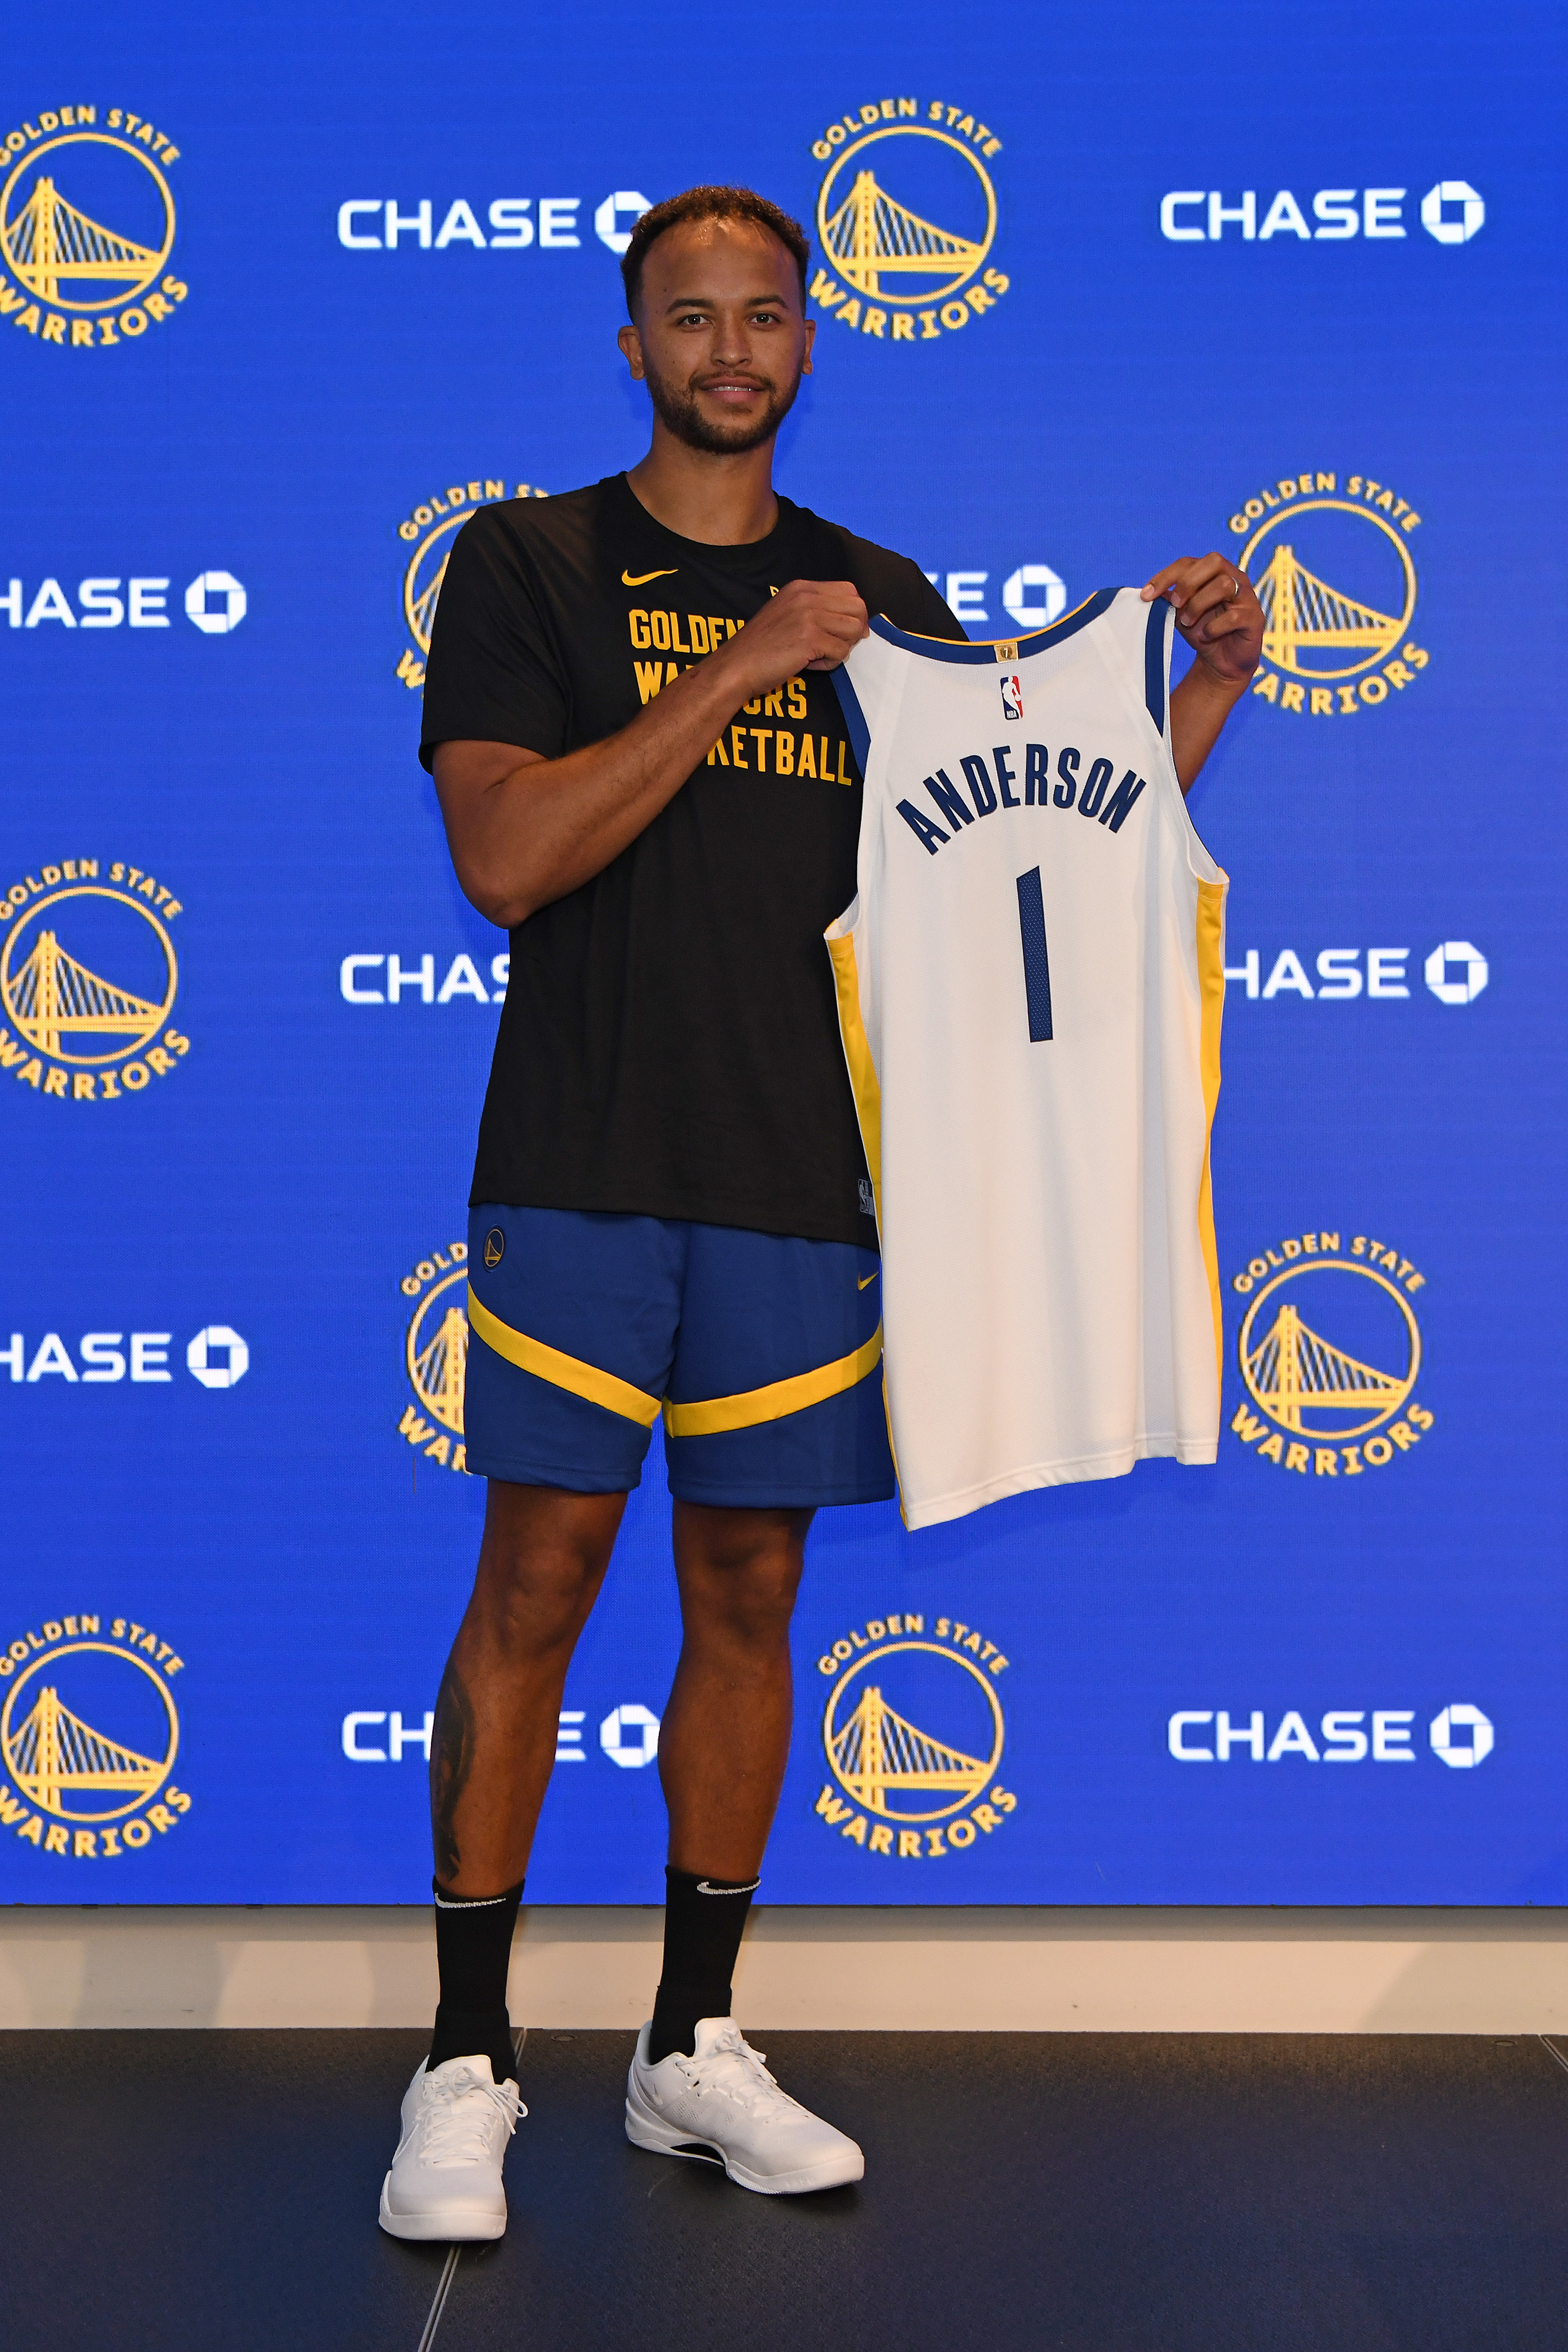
(1089, 798)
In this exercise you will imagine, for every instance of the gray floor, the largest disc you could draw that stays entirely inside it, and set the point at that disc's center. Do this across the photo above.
(1237, 2194)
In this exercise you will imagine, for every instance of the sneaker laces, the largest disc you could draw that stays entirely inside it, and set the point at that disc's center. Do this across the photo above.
(458, 2118)
(732, 2067)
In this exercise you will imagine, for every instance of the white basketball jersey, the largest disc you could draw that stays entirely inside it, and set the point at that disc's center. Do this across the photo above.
(1030, 981)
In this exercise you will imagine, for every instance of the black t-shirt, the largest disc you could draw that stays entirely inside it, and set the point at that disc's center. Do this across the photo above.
(669, 1045)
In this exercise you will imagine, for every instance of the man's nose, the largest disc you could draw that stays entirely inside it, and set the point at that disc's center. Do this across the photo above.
(731, 342)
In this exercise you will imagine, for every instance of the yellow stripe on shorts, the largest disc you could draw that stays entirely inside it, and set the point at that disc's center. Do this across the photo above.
(779, 1398)
(562, 1372)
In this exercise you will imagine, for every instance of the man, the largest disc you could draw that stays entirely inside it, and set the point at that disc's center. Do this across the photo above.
(644, 776)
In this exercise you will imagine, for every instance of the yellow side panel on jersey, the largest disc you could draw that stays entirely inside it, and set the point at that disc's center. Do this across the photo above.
(779, 1398)
(561, 1372)
(1211, 995)
(863, 1079)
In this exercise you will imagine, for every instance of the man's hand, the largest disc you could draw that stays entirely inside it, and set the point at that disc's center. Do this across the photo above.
(809, 625)
(1218, 612)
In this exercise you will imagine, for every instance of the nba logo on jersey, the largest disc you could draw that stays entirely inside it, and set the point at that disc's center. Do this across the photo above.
(1012, 697)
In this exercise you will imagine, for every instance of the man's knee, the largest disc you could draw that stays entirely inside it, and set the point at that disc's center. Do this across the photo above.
(542, 1560)
(741, 1572)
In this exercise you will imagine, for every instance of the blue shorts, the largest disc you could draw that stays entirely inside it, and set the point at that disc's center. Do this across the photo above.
(763, 1355)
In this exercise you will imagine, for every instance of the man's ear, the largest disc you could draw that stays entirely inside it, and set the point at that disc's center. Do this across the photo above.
(630, 342)
(810, 339)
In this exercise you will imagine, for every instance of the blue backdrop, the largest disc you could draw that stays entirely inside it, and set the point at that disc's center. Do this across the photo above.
(285, 293)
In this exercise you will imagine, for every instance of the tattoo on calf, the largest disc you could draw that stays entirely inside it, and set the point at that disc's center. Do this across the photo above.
(451, 1760)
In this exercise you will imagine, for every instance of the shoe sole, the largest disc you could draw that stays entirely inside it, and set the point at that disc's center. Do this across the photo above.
(646, 2130)
(456, 2225)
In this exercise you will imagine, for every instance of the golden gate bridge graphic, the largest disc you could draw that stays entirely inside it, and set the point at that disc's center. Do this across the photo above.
(421, 608)
(54, 1752)
(52, 996)
(876, 1751)
(440, 1369)
(872, 237)
(1292, 1372)
(1302, 613)
(49, 239)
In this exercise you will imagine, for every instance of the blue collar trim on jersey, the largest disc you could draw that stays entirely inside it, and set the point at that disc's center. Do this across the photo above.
(944, 650)
(854, 725)
(1154, 661)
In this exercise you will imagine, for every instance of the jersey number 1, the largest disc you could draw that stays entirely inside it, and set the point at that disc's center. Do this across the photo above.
(1036, 964)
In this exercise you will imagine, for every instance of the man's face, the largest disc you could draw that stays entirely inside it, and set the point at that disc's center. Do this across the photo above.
(720, 337)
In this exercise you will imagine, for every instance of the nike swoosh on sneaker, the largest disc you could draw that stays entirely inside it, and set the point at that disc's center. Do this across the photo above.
(865, 1284)
(642, 578)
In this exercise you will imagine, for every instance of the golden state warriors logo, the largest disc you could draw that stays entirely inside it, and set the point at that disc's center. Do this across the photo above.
(1334, 575)
(428, 533)
(913, 1733)
(436, 1356)
(906, 217)
(87, 226)
(89, 1735)
(88, 981)
(1329, 1351)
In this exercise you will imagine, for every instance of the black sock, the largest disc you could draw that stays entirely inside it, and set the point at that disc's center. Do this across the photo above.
(473, 1949)
(703, 1922)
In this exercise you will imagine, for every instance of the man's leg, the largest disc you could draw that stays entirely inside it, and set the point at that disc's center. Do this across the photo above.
(724, 1741)
(541, 1563)
(696, 2088)
(722, 1747)
(595, 1300)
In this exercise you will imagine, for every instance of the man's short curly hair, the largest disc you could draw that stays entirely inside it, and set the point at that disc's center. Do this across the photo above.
(711, 204)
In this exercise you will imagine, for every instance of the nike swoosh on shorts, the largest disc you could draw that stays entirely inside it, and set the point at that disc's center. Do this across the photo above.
(643, 578)
(870, 1278)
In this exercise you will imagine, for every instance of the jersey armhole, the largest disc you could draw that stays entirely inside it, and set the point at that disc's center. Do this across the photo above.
(1159, 640)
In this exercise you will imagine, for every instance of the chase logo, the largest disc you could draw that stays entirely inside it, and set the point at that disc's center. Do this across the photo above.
(913, 1733)
(428, 533)
(1451, 211)
(86, 223)
(436, 1356)
(89, 1735)
(906, 216)
(1329, 1350)
(1338, 589)
(218, 1357)
(87, 979)
(215, 603)
(1459, 1735)
(1455, 972)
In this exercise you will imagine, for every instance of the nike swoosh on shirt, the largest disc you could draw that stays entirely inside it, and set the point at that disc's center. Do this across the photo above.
(642, 578)
(870, 1279)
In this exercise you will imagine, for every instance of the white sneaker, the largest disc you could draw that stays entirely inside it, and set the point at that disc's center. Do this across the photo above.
(445, 2180)
(723, 2102)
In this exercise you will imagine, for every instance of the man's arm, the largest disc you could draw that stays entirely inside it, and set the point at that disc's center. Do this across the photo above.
(1218, 613)
(523, 830)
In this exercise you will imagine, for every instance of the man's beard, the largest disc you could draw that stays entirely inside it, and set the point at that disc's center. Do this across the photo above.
(678, 411)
